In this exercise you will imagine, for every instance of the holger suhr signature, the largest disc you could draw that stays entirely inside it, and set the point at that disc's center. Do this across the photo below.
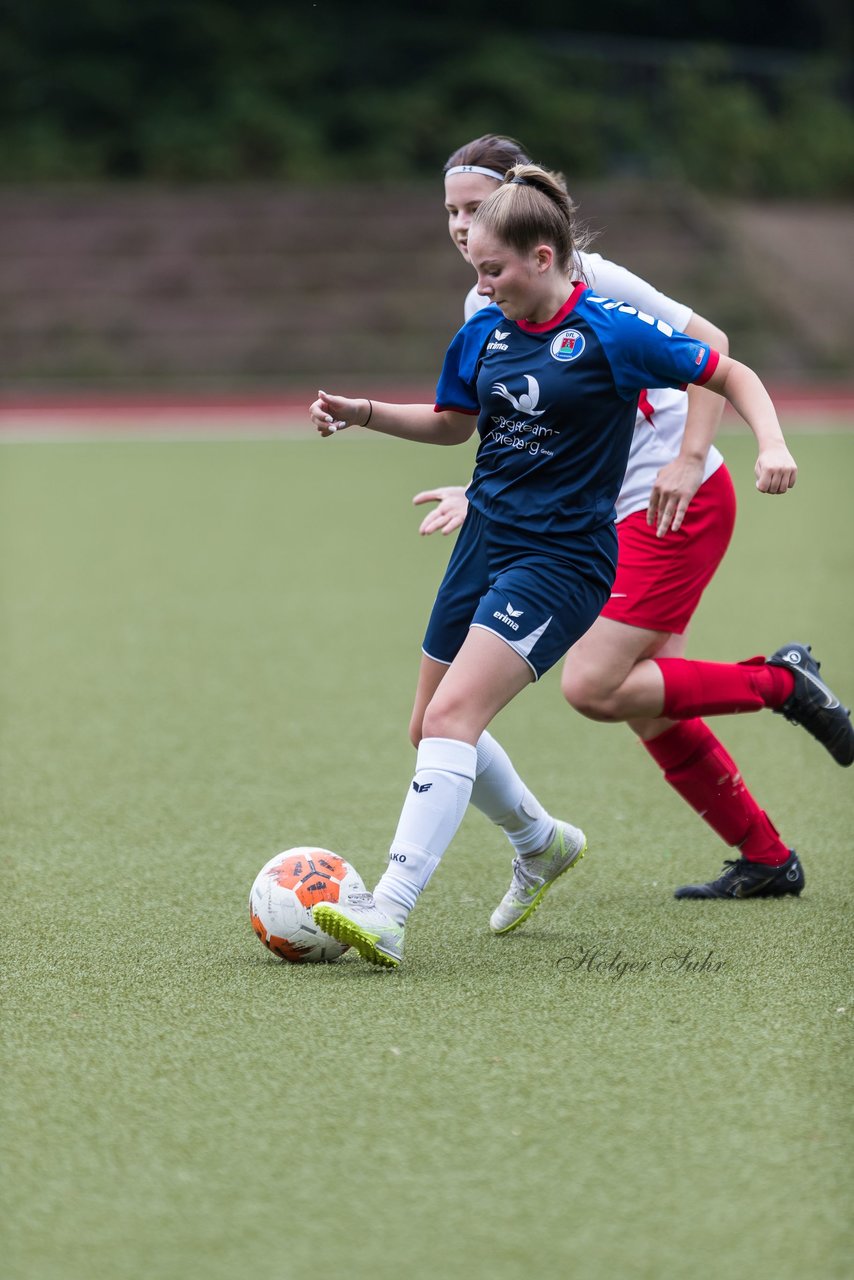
(616, 964)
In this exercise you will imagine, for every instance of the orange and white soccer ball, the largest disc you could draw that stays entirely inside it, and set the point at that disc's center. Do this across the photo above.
(285, 890)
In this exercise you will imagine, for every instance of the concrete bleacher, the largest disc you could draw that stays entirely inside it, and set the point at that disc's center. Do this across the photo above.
(203, 289)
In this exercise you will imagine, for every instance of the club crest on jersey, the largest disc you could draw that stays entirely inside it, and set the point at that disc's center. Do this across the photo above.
(567, 345)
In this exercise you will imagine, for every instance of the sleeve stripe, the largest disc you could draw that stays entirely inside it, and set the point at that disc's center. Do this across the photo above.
(711, 365)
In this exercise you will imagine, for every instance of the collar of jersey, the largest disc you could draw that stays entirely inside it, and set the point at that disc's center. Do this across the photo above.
(559, 317)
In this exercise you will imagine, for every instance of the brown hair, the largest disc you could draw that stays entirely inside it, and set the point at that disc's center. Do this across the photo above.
(533, 206)
(491, 151)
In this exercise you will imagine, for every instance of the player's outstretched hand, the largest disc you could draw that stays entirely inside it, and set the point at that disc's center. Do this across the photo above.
(776, 470)
(333, 413)
(450, 513)
(675, 486)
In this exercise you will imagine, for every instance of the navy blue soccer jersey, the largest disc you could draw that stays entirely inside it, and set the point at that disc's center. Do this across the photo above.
(557, 405)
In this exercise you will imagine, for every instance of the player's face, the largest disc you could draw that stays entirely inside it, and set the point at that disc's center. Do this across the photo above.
(464, 193)
(514, 281)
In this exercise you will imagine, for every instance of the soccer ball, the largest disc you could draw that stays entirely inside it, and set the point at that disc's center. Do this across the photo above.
(285, 890)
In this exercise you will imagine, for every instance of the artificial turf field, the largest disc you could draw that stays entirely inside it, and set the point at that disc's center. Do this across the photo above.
(208, 655)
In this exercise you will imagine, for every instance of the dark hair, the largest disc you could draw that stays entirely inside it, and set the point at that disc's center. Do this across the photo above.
(531, 206)
(491, 151)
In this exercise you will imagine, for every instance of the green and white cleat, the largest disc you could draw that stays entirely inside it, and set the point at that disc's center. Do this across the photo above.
(534, 875)
(360, 924)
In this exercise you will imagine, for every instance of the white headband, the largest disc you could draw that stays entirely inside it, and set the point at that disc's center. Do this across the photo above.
(475, 168)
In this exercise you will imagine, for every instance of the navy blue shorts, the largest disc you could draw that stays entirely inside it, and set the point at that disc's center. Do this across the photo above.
(538, 594)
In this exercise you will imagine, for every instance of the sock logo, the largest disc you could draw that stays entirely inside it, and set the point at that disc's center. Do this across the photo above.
(397, 857)
(420, 788)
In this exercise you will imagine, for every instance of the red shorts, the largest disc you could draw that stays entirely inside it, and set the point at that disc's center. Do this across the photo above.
(660, 581)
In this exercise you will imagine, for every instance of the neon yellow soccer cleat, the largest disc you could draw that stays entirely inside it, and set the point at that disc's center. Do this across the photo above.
(359, 923)
(533, 876)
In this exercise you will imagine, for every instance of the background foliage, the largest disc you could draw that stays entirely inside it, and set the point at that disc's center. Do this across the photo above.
(221, 90)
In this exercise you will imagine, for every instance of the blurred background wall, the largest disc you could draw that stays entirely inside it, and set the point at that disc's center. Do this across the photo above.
(213, 196)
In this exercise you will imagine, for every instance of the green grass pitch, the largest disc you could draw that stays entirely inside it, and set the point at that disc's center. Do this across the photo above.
(208, 655)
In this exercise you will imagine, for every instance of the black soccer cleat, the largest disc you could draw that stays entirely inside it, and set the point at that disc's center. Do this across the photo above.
(813, 704)
(743, 879)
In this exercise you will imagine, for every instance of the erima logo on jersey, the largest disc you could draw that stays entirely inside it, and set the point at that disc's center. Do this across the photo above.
(567, 345)
(527, 401)
(608, 304)
(498, 342)
(420, 787)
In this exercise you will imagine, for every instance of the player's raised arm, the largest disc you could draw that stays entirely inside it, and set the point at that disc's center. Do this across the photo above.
(418, 422)
(776, 469)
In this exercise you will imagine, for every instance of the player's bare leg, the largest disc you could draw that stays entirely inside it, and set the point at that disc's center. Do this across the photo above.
(430, 675)
(597, 669)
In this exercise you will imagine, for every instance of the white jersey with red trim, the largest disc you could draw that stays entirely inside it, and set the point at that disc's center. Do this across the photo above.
(661, 416)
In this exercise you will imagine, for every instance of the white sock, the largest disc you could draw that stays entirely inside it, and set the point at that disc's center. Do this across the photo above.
(433, 810)
(501, 794)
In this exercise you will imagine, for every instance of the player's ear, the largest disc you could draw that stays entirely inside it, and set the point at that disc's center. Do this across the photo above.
(544, 256)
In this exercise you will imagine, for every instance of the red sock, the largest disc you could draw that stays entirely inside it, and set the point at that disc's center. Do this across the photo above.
(704, 774)
(721, 688)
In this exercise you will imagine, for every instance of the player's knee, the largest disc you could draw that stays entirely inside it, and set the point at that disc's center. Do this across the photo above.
(444, 719)
(436, 725)
(588, 694)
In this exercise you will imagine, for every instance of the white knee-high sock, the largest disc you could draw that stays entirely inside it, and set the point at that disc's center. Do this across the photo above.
(501, 794)
(432, 812)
